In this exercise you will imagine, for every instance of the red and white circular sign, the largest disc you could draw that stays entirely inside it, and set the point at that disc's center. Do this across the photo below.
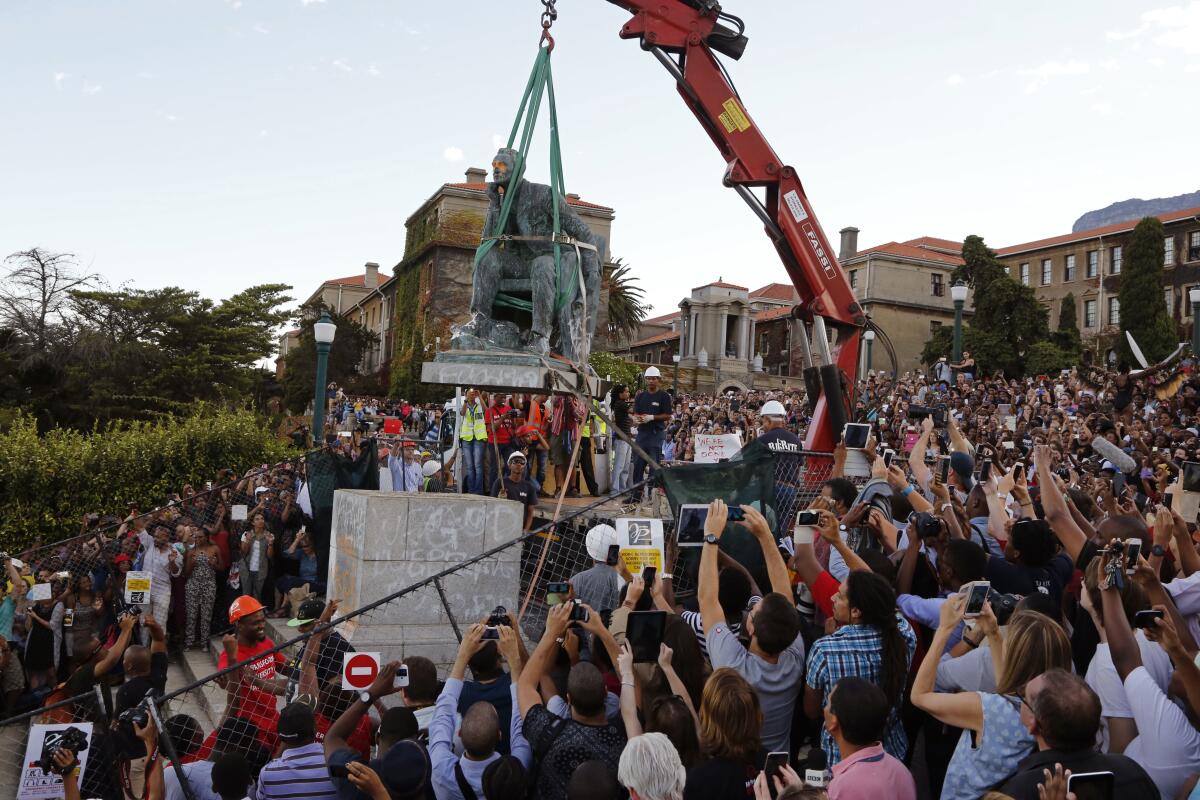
(359, 670)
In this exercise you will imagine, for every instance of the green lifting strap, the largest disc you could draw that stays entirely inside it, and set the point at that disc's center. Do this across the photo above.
(541, 82)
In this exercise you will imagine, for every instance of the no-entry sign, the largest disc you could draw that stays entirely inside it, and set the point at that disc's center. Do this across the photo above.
(359, 670)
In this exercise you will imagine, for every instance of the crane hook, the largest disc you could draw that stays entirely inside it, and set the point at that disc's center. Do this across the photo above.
(548, 16)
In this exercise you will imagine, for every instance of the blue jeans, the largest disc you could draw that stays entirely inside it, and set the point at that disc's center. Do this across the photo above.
(652, 445)
(620, 466)
(472, 456)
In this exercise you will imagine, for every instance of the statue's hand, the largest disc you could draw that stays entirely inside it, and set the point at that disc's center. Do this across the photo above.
(494, 190)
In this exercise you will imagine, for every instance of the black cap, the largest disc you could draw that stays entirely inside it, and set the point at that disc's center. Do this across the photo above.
(297, 723)
(310, 611)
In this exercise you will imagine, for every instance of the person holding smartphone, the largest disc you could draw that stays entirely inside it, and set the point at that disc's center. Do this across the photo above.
(599, 586)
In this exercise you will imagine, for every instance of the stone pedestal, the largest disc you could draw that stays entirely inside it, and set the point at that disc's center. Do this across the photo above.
(503, 371)
(385, 541)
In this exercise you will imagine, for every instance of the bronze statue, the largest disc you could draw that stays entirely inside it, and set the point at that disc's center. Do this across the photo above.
(522, 260)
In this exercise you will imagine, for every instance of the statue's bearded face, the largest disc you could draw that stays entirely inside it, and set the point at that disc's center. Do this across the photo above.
(502, 168)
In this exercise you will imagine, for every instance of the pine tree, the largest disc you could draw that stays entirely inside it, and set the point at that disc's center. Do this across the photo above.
(1067, 336)
(1143, 312)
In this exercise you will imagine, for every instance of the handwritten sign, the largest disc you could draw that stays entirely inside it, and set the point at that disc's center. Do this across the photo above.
(36, 784)
(711, 448)
(238, 511)
(137, 588)
(641, 542)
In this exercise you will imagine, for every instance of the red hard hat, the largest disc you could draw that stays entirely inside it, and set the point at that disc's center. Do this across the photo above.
(243, 606)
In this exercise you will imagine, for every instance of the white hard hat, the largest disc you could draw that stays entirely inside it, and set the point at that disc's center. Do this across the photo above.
(772, 408)
(652, 372)
(430, 468)
(599, 539)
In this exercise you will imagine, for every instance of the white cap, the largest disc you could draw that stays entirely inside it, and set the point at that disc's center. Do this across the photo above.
(652, 372)
(772, 408)
(517, 454)
(599, 539)
(430, 468)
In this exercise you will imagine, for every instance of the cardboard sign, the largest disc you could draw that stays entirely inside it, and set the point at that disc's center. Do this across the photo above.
(137, 588)
(359, 670)
(238, 512)
(391, 425)
(39, 591)
(641, 542)
(35, 784)
(711, 448)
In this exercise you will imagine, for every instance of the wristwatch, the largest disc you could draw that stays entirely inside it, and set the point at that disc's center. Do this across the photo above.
(365, 696)
(710, 539)
(1158, 550)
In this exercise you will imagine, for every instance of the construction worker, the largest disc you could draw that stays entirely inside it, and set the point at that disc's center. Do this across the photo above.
(593, 425)
(472, 437)
(652, 410)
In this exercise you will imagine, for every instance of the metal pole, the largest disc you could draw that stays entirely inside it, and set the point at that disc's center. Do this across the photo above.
(675, 381)
(318, 425)
(958, 309)
(1195, 329)
(458, 409)
(870, 343)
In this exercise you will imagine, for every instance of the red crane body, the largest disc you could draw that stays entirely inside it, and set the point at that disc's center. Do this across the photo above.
(690, 29)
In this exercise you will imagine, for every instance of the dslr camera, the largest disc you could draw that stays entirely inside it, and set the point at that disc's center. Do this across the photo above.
(938, 413)
(499, 616)
(126, 735)
(71, 739)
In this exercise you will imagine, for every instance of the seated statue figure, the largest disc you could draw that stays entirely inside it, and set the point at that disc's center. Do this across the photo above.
(525, 250)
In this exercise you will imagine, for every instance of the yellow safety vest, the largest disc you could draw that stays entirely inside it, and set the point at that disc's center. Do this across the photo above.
(472, 428)
(587, 427)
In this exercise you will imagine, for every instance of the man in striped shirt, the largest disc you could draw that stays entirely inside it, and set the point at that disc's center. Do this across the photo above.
(300, 770)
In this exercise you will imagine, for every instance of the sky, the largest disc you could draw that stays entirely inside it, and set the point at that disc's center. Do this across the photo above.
(215, 144)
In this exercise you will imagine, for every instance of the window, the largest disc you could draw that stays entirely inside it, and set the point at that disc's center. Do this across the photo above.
(937, 284)
(1114, 256)
(1046, 271)
(1069, 269)
(853, 278)
(1089, 313)
(1169, 251)
(1025, 274)
(1186, 310)
(1194, 246)
(1114, 311)
(934, 327)
(1169, 297)
(1093, 263)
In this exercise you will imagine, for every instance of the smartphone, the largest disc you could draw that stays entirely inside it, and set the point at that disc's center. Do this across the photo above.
(689, 531)
(1133, 549)
(888, 455)
(1008, 444)
(557, 593)
(855, 435)
(645, 633)
(648, 574)
(1145, 619)
(977, 594)
(491, 633)
(808, 519)
(401, 677)
(578, 612)
(944, 469)
(985, 469)
(1191, 476)
(1092, 785)
(736, 514)
(1168, 500)
(773, 767)
(339, 771)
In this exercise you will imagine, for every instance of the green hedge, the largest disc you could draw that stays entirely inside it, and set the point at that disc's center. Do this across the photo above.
(48, 482)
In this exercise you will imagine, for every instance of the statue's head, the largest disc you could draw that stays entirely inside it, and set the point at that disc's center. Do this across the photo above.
(504, 165)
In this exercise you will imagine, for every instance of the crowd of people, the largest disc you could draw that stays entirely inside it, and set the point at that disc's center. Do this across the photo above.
(997, 594)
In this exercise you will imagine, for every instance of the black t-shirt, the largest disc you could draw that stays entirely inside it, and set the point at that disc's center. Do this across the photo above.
(560, 745)
(720, 779)
(134, 689)
(652, 403)
(329, 660)
(81, 682)
(620, 409)
(781, 440)
(522, 491)
(1010, 578)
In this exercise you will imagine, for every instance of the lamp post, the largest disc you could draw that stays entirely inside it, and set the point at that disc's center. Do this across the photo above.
(958, 293)
(675, 382)
(323, 332)
(1194, 296)
(869, 336)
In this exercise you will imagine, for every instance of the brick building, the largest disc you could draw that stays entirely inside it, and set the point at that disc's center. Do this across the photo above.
(1087, 265)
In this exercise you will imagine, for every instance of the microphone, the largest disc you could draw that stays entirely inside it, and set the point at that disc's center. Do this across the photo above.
(815, 772)
(1116, 455)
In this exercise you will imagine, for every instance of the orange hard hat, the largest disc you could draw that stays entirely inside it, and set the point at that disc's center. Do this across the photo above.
(243, 606)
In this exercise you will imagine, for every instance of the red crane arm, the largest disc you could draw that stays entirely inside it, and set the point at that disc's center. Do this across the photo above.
(689, 30)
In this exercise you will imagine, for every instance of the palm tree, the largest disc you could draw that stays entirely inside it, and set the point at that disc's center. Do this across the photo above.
(626, 308)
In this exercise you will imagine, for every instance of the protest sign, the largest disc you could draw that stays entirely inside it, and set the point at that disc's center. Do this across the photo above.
(137, 588)
(36, 784)
(712, 448)
(641, 542)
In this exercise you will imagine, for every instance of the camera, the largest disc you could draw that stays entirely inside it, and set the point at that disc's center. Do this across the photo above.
(499, 616)
(925, 524)
(126, 734)
(71, 739)
(937, 412)
(1003, 605)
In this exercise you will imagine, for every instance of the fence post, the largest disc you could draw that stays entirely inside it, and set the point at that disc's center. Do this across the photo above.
(437, 582)
(167, 746)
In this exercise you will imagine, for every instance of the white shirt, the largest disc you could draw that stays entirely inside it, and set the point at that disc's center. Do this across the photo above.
(1167, 746)
(1106, 683)
(158, 564)
(1186, 594)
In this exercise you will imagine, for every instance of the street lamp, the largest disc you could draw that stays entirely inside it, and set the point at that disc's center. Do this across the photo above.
(869, 336)
(675, 382)
(323, 331)
(1194, 296)
(958, 293)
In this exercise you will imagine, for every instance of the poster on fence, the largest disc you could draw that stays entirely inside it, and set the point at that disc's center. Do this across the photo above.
(137, 588)
(641, 542)
(36, 784)
(238, 512)
(39, 591)
(711, 448)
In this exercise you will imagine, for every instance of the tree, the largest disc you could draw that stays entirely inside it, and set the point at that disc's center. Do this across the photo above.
(1067, 337)
(626, 308)
(1143, 313)
(980, 265)
(620, 370)
(300, 371)
(36, 292)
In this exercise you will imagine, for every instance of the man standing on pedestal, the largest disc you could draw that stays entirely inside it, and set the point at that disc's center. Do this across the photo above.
(651, 412)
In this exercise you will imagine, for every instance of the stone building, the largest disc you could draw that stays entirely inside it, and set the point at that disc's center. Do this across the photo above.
(1087, 265)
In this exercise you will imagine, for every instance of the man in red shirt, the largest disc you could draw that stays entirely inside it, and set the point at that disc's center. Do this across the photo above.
(252, 689)
(499, 421)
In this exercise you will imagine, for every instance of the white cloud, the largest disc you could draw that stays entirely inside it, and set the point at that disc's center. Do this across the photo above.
(1172, 26)
(373, 71)
(59, 77)
(168, 117)
(90, 88)
(258, 27)
(1091, 90)
(307, 3)
(1192, 68)
(262, 134)
(341, 64)
(1157, 61)
(1103, 108)
(453, 154)
(955, 80)
(1042, 74)
(234, 4)
(1119, 36)
(498, 141)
